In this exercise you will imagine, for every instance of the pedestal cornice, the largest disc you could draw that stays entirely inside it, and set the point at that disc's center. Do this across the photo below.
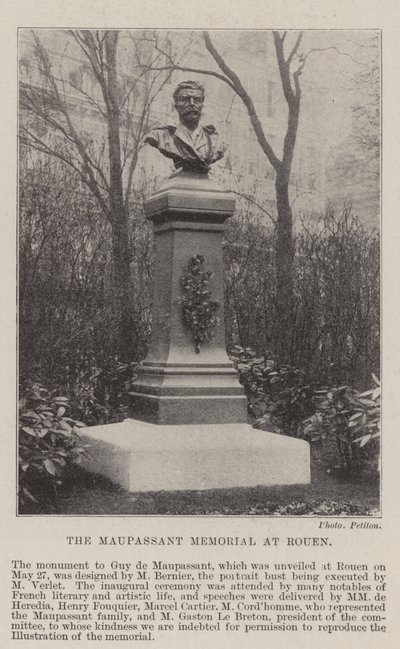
(190, 196)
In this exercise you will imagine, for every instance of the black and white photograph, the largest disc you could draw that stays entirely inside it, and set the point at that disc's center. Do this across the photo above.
(199, 311)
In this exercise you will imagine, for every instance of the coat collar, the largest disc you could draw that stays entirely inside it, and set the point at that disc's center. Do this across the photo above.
(209, 129)
(183, 137)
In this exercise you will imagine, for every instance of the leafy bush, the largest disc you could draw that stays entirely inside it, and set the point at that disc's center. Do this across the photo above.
(280, 397)
(352, 419)
(48, 443)
(343, 422)
(99, 395)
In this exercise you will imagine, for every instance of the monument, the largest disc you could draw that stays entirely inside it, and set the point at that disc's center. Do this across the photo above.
(188, 427)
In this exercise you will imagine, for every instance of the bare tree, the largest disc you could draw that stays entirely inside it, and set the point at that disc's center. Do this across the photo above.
(119, 104)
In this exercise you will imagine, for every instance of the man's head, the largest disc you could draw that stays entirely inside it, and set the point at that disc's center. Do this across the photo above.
(189, 99)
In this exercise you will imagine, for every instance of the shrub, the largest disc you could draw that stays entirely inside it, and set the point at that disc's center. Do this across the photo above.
(69, 316)
(99, 394)
(342, 423)
(336, 293)
(49, 443)
(352, 420)
(280, 396)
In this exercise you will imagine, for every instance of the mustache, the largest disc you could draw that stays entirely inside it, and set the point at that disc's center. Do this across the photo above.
(191, 109)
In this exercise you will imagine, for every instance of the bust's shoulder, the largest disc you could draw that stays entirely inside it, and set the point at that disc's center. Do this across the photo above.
(210, 129)
(160, 135)
(169, 128)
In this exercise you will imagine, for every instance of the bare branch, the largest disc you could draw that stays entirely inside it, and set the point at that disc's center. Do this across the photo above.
(94, 53)
(335, 49)
(296, 76)
(237, 86)
(30, 101)
(294, 48)
(251, 200)
(184, 68)
(88, 97)
(30, 139)
(283, 69)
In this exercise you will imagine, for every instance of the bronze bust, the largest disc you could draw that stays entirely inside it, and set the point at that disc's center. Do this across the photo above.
(191, 146)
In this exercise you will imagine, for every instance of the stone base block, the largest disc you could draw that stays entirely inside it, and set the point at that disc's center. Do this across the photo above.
(178, 410)
(140, 456)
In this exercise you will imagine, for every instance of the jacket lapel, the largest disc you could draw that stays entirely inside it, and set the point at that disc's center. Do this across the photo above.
(181, 135)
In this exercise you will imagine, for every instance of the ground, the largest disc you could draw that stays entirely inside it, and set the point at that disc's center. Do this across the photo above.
(327, 495)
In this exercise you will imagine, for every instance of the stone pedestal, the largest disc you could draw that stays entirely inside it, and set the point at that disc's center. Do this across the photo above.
(188, 428)
(176, 385)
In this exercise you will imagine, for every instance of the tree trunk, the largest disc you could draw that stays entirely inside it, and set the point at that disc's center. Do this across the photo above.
(284, 268)
(118, 210)
(122, 278)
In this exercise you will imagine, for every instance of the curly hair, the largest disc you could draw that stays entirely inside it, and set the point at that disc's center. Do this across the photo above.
(193, 85)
